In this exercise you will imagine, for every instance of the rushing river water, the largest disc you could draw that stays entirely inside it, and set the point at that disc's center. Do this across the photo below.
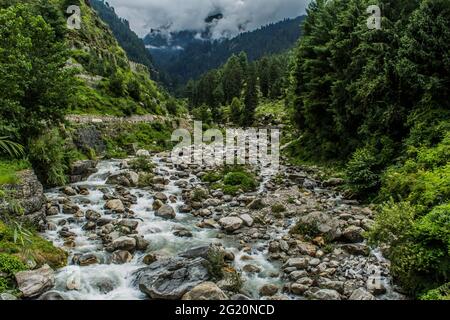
(112, 281)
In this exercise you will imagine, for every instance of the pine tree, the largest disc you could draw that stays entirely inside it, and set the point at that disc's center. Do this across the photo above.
(251, 96)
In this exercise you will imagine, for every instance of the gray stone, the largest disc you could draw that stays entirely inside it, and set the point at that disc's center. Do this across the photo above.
(268, 290)
(124, 243)
(205, 291)
(231, 224)
(248, 220)
(35, 282)
(121, 257)
(166, 212)
(361, 294)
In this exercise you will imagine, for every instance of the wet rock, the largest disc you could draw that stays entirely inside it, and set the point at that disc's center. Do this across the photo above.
(131, 224)
(268, 290)
(183, 233)
(124, 243)
(185, 208)
(141, 243)
(231, 224)
(69, 191)
(170, 279)
(34, 283)
(298, 274)
(166, 212)
(124, 178)
(90, 225)
(353, 234)
(161, 197)
(239, 297)
(115, 206)
(361, 294)
(80, 170)
(157, 204)
(92, 215)
(298, 289)
(250, 268)
(53, 211)
(70, 208)
(204, 213)
(149, 259)
(205, 291)
(248, 220)
(88, 259)
(121, 257)
(104, 221)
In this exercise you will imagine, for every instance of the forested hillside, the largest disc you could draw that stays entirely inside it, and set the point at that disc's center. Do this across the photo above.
(378, 100)
(128, 40)
(200, 56)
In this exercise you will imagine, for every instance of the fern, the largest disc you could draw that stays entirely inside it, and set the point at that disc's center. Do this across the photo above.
(11, 148)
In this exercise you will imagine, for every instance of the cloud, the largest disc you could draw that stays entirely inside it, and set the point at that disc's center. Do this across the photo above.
(178, 15)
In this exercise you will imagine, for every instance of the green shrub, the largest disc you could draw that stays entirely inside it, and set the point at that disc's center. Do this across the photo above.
(308, 230)
(199, 195)
(242, 179)
(418, 247)
(10, 265)
(441, 293)
(361, 172)
(142, 164)
(145, 179)
(212, 177)
(278, 208)
(50, 157)
(9, 169)
(234, 280)
(216, 263)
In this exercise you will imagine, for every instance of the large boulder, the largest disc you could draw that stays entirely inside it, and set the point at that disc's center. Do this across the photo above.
(353, 234)
(205, 291)
(81, 170)
(115, 205)
(36, 282)
(29, 194)
(361, 294)
(171, 279)
(324, 223)
(231, 224)
(126, 178)
(124, 243)
(166, 212)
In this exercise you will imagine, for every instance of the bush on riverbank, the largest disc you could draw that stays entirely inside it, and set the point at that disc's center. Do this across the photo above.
(232, 179)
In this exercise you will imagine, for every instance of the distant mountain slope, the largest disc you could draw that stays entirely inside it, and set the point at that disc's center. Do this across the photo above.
(184, 56)
(128, 40)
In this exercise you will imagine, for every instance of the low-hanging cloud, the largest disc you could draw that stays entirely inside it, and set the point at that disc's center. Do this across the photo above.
(176, 15)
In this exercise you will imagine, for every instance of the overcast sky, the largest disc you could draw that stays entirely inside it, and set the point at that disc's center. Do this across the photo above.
(190, 14)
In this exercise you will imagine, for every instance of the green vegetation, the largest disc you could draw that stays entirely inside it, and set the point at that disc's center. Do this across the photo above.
(154, 136)
(216, 263)
(142, 164)
(278, 208)
(231, 180)
(376, 102)
(9, 169)
(39, 250)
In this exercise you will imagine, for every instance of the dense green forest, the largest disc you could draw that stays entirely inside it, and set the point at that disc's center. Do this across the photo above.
(200, 56)
(379, 101)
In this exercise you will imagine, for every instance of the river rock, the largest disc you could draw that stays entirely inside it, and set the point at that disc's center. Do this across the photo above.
(205, 291)
(298, 263)
(361, 294)
(69, 191)
(161, 197)
(141, 243)
(166, 212)
(121, 257)
(358, 249)
(157, 204)
(142, 153)
(172, 278)
(52, 296)
(324, 294)
(231, 224)
(92, 215)
(353, 234)
(52, 211)
(126, 178)
(248, 220)
(132, 224)
(325, 224)
(124, 243)
(268, 290)
(88, 259)
(115, 205)
(257, 204)
(250, 268)
(35, 282)
(375, 286)
(80, 170)
(149, 259)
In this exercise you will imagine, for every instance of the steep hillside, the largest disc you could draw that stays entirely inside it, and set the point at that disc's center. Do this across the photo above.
(185, 56)
(128, 40)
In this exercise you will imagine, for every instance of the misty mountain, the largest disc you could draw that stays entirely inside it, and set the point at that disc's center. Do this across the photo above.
(186, 55)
